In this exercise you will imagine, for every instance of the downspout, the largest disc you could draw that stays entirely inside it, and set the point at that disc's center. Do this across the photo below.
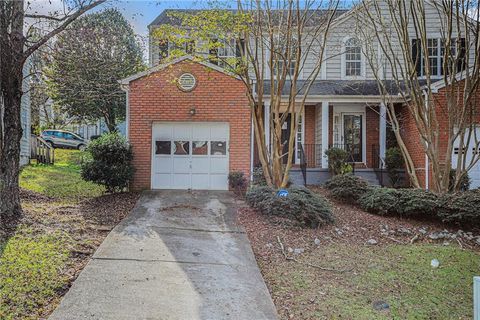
(427, 160)
(251, 147)
(125, 88)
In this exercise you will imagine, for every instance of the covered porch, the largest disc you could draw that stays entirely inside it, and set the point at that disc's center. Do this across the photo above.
(357, 125)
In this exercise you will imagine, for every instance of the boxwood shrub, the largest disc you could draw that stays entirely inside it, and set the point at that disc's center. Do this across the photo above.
(302, 206)
(461, 208)
(347, 187)
(417, 202)
(380, 201)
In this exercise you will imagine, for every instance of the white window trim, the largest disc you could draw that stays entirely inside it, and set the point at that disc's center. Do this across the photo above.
(439, 56)
(302, 142)
(343, 61)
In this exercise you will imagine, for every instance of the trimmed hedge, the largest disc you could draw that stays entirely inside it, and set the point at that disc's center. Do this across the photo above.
(303, 206)
(380, 201)
(461, 208)
(400, 202)
(347, 187)
(417, 202)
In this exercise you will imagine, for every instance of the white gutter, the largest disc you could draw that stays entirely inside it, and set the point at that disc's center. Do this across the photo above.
(127, 113)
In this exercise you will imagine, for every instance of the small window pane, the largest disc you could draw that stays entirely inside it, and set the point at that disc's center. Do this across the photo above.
(219, 148)
(162, 147)
(200, 148)
(181, 147)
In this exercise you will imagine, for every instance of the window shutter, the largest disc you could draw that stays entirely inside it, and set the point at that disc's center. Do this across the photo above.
(213, 52)
(461, 55)
(163, 49)
(417, 55)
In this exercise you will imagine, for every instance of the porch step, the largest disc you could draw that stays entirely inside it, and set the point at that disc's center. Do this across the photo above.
(317, 176)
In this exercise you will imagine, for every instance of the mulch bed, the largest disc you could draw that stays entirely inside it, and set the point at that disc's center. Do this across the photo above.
(352, 226)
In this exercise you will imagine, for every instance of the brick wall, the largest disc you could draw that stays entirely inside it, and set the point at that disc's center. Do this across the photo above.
(309, 136)
(217, 97)
(372, 133)
(412, 138)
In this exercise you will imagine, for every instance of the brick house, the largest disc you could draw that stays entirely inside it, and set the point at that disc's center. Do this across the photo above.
(190, 125)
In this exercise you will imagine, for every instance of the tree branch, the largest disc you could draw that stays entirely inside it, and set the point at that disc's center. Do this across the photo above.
(54, 32)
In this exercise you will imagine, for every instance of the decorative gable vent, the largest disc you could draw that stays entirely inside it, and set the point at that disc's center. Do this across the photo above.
(187, 82)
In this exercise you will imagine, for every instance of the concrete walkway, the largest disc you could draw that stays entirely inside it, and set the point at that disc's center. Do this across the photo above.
(178, 255)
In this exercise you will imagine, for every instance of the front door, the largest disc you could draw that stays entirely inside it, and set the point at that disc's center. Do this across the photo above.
(353, 137)
(286, 129)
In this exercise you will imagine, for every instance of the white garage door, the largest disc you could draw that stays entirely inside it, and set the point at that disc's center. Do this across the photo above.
(471, 152)
(190, 155)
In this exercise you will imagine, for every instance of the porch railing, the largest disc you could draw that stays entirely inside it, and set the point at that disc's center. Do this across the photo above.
(41, 151)
(303, 164)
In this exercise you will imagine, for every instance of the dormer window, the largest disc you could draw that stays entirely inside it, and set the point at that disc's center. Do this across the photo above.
(353, 58)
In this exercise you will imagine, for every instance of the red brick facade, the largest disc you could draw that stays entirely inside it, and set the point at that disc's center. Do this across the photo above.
(216, 97)
(411, 135)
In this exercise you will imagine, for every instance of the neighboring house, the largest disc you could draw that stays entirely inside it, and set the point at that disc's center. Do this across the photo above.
(85, 130)
(25, 118)
(192, 137)
(88, 130)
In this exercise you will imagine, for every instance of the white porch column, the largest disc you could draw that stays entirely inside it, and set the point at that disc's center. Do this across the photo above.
(382, 133)
(266, 122)
(325, 123)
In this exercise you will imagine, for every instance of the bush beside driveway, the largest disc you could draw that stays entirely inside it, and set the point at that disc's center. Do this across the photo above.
(65, 220)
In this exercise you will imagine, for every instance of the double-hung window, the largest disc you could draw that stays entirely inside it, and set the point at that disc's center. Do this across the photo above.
(435, 56)
(353, 58)
(226, 51)
(166, 48)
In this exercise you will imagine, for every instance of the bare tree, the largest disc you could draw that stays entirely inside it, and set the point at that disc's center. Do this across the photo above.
(274, 40)
(411, 47)
(15, 48)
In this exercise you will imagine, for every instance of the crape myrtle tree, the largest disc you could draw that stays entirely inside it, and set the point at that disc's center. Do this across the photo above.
(88, 58)
(407, 51)
(16, 46)
(271, 40)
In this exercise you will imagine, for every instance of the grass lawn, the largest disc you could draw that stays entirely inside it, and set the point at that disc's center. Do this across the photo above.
(62, 180)
(398, 275)
(65, 220)
(337, 274)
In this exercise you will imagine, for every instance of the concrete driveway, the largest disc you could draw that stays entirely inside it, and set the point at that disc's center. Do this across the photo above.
(178, 255)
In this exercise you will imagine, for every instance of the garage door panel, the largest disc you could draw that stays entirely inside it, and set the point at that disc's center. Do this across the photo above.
(181, 165)
(163, 164)
(218, 165)
(219, 182)
(200, 181)
(201, 131)
(190, 155)
(162, 132)
(220, 131)
(469, 153)
(182, 181)
(182, 131)
(162, 181)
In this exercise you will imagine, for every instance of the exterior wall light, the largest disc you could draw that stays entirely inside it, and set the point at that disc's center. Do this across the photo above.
(193, 111)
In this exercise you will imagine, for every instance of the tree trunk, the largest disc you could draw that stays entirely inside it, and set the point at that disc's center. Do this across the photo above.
(12, 60)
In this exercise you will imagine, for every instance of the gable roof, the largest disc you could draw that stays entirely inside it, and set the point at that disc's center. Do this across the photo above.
(126, 81)
(165, 16)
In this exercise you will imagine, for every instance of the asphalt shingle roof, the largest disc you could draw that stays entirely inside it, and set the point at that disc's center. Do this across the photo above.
(165, 17)
(339, 87)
